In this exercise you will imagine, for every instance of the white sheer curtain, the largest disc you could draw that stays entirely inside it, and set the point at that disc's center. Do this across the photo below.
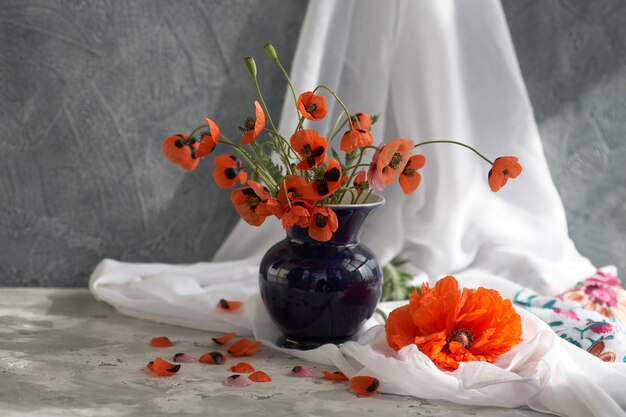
(438, 69)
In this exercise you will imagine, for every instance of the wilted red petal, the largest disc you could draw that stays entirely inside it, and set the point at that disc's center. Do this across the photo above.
(229, 305)
(224, 339)
(160, 342)
(237, 381)
(260, 376)
(163, 368)
(335, 376)
(213, 358)
(256, 346)
(240, 347)
(364, 386)
(302, 371)
(184, 358)
(242, 368)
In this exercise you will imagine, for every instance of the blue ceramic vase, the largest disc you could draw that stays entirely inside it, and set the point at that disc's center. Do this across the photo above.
(321, 292)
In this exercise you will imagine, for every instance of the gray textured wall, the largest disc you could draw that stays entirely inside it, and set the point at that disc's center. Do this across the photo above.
(573, 58)
(89, 89)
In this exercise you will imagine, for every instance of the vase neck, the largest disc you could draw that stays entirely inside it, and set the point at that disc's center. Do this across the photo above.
(350, 218)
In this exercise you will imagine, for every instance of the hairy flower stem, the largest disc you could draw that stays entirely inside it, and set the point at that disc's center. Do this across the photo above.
(349, 115)
(453, 142)
(261, 170)
(336, 129)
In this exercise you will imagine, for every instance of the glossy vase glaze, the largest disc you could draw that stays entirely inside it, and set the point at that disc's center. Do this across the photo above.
(321, 292)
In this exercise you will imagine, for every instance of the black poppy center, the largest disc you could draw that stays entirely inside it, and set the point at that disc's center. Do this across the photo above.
(395, 160)
(409, 172)
(311, 108)
(464, 337)
(320, 221)
(249, 124)
(505, 172)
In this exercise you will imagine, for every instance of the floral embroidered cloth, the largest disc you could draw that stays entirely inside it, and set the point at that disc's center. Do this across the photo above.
(591, 315)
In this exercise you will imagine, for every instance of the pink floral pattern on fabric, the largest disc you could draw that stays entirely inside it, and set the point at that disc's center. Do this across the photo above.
(603, 293)
(591, 315)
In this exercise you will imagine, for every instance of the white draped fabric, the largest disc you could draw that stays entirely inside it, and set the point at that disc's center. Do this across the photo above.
(433, 69)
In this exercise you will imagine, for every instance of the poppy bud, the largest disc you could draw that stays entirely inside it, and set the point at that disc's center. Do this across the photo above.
(271, 52)
(251, 65)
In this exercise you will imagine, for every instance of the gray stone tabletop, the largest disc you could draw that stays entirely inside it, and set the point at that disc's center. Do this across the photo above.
(62, 353)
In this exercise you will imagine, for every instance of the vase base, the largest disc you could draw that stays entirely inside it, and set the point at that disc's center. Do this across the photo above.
(299, 344)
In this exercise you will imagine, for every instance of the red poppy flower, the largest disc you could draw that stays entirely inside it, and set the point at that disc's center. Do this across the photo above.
(209, 139)
(253, 127)
(360, 182)
(253, 203)
(161, 342)
(361, 121)
(409, 177)
(355, 138)
(450, 326)
(224, 339)
(324, 183)
(180, 150)
(364, 386)
(228, 170)
(503, 168)
(310, 146)
(298, 214)
(311, 106)
(292, 188)
(388, 161)
(323, 224)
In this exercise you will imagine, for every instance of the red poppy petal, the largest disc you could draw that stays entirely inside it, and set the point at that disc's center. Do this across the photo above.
(224, 339)
(184, 358)
(302, 371)
(364, 386)
(242, 368)
(256, 346)
(335, 376)
(164, 368)
(237, 381)
(240, 347)
(259, 376)
(213, 358)
(161, 342)
(229, 305)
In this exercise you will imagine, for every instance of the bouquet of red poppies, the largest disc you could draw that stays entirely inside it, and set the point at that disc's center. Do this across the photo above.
(296, 179)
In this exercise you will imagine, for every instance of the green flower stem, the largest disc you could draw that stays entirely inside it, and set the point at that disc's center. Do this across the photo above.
(356, 166)
(338, 100)
(280, 147)
(381, 313)
(366, 196)
(266, 177)
(198, 128)
(358, 162)
(336, 129)
(271, 52)
(456, 143)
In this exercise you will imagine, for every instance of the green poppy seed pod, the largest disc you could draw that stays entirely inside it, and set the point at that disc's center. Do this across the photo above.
(251, 65)
(271, 52)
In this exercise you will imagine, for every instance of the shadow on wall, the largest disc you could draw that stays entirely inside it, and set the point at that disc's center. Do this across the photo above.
(89, 92)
